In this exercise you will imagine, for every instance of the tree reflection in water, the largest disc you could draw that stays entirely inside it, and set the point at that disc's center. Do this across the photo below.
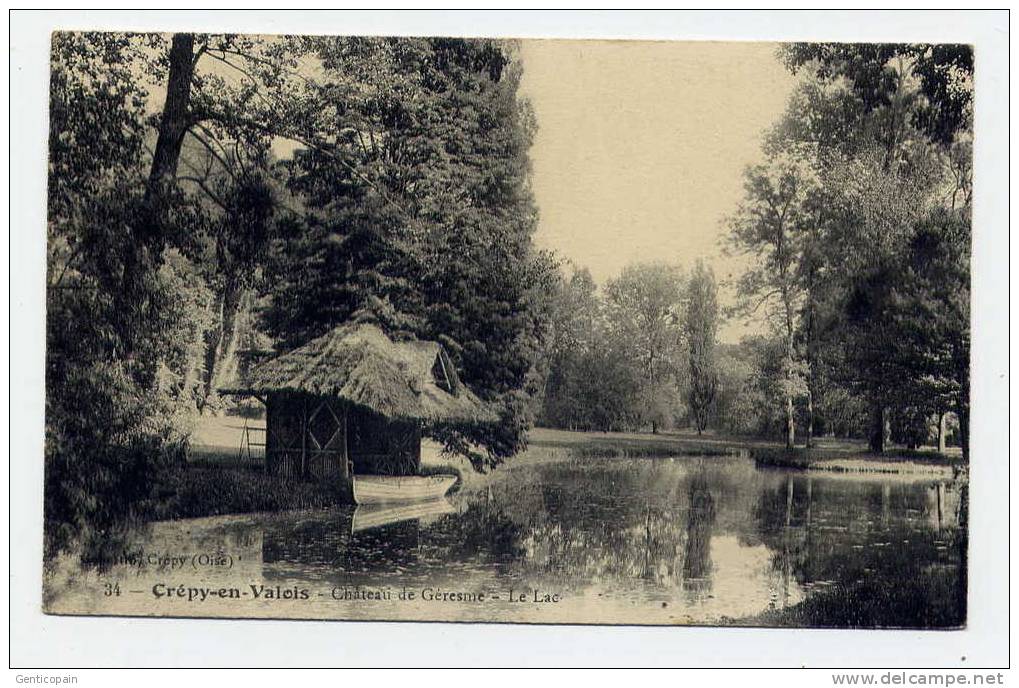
(873, 553)
(700, 520)
(605, 523)
(479, 534)
(482, 530)
(712, 537)
(326, 539)
(655, 540)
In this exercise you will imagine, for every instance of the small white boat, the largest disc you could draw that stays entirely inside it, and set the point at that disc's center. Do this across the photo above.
(386, 489)
(378, 515)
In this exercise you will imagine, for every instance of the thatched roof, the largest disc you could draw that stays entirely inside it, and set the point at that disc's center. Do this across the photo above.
(413, 380)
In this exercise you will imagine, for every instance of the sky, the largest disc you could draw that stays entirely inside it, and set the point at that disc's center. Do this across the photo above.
(641, 146)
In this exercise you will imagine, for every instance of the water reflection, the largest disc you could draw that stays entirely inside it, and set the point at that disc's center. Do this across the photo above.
(869, 552)
(709, 540)
(377, 516)
(700, 518)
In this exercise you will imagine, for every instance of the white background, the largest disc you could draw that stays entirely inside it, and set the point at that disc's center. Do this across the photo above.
(49, 641)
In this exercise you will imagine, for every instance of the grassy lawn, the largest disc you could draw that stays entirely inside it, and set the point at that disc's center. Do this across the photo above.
(225, 432)
(202, 491)
(217, 441)
(827, 453)
(550, 443)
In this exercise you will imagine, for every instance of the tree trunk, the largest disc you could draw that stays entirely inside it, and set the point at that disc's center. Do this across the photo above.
(192, 384)
(962, 359)
(942, 432)
(878, 428)
(173, 124)
(652, 396)
(790, 422)
(810, 418)
(147, 240)
(221, 341)
(175, 119)
(234, 306)
(963, 413)
(811, 356)
(212, 339)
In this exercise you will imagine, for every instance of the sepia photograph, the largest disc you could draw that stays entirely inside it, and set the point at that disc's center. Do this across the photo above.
(508, 331)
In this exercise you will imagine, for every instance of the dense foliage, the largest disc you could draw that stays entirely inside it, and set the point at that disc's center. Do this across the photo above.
(874, 279)
(617, 357)
(423, 226)
(214, 192)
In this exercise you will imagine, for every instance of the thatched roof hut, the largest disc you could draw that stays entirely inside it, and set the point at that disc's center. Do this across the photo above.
(358, 363)
(354, 400)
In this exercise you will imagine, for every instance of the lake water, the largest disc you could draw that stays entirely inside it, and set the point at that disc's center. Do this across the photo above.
(639, 541)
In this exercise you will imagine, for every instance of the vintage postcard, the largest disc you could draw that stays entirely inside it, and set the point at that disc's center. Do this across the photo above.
(508, 331)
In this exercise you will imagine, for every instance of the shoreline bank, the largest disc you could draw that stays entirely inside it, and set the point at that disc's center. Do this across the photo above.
(895, 462)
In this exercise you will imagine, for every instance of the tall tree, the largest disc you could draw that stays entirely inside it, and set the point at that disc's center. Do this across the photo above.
(228, 98)
(645, 304)
(771, 224)
(123, 304)
(593, 383)
(573, 318)
(424, 223)
(701, 326)
(238, 240)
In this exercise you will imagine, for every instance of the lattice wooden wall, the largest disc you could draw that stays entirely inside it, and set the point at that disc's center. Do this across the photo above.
(308, 437)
